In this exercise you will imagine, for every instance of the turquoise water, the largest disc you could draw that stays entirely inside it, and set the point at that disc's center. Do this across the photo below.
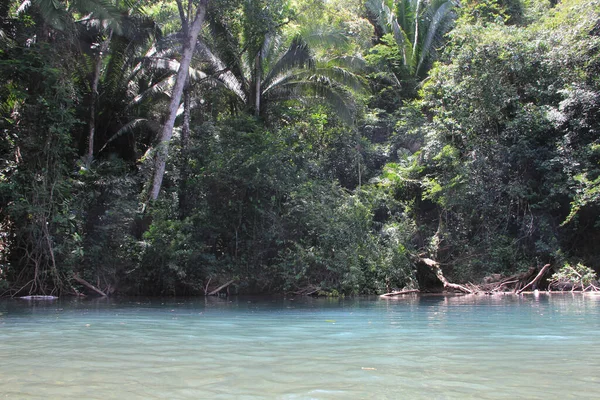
(428, 347)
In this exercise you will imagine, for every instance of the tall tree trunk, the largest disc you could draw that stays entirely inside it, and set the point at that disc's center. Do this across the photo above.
(257, 88)
(94, 98)
(413, 59)
(167, 131)
(185, 150)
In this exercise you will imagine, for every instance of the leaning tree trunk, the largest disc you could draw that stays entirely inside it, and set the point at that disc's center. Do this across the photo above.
(167, 131)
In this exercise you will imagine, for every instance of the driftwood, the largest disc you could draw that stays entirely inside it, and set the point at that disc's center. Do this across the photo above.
(435, 266)
(88, 285)
(514, 282)
(401, 292)
(307, 291)
(223, 286)
(38, 297)
(536, 279)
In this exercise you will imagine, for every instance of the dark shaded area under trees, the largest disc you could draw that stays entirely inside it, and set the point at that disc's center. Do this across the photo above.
(313, 147)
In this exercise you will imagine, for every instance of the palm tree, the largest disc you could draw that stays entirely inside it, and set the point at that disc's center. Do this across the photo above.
(417, 27)
(61, 15)
(105, 33)
(275, 72)
(281, 71)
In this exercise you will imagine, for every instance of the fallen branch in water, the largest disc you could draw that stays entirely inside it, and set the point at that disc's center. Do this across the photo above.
(223, 286)
(505, 282)
(38, 297)
(593, 287)
(307, 291)
(88, 285)
(536, 279)
(401, 292)
(435, 266)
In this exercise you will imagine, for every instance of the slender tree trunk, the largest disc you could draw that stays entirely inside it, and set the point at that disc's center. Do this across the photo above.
(167, 131)
(94, 98)
(185, 150)
(416, 38)
(257, 87)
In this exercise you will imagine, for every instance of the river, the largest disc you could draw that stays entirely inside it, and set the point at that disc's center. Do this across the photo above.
(415, 347)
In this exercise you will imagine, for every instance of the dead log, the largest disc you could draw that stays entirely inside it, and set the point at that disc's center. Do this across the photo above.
(38, 297)
(223, 286)
(516, 281)
(435, 266)
(536, 279)
(88, 285)
(401, 292)
(501, 284)
(307, 291)
(311, 292)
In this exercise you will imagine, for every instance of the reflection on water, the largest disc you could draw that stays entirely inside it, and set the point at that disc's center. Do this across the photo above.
(429, 347)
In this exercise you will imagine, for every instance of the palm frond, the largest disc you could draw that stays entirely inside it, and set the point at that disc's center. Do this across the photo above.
(406, 15)
(343, 77)
(335, 96)
(103, 10)
(271, 50)
(159, 88)
(53, 12)
(130, 127)
(434, 32)
(23, 7)
(139, 29)
(387, 21)
(115, 71)
(298, 55)
(142, 65)
(221, 72)
(353, 63)
(319, 36)
(162, 63)
(381, 12)
(322, 89)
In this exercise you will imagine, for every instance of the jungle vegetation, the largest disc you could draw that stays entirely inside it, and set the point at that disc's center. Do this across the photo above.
(300, 146)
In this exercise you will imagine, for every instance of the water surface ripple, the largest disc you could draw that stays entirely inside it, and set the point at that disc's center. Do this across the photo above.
(416, 347)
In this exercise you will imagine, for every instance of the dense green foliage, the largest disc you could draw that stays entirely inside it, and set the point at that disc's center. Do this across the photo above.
(316, 150)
